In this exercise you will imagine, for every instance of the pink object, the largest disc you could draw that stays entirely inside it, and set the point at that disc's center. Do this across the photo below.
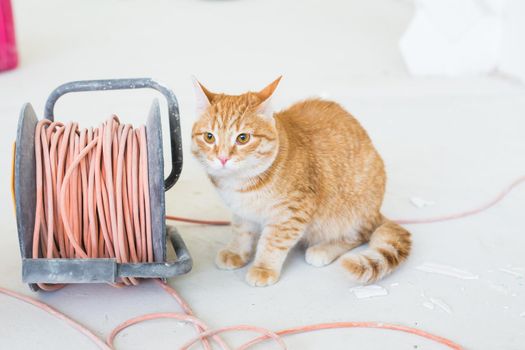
(466, 213)
(223, 160)
(205, 332)
(8, 53)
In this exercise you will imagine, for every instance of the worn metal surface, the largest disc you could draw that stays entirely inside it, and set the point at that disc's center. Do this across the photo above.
(106, 270)
(101, 270)
(25, 183)
(69, 270)
(156, 182)
(181, 265)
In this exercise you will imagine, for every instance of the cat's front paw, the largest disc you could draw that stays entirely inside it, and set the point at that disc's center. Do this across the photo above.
(261, 277)
(228, 260)
(318, 256)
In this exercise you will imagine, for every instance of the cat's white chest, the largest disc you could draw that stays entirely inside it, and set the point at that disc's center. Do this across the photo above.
(254, 206)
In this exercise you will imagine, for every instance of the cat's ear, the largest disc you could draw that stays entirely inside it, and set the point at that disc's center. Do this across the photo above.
(267, 92)
(204, 97)
(265, 96)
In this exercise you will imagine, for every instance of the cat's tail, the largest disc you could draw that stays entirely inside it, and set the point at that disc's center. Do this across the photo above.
(389, 246)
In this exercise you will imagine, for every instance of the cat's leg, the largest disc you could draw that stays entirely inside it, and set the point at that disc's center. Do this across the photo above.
(325, 253)
(239, 250)
(274, 245)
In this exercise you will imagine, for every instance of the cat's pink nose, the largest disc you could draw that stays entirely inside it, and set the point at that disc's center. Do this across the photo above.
(223, 160)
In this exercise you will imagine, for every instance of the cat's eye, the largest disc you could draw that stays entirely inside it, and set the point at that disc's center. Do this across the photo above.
(243, 138)
(208, 137)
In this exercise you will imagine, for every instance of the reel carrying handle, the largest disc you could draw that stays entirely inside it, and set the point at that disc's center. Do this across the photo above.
(131, 84)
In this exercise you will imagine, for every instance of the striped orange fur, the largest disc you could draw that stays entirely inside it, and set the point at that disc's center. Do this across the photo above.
(309, 173)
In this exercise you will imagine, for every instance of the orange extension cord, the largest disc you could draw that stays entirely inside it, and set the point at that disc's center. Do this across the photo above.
(93, 201)
(92, 194)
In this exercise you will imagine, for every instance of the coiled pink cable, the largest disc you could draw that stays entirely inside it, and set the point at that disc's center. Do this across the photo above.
(93, 201)
(92, 198)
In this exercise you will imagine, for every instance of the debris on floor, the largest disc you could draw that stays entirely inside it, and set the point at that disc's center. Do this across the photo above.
(428, 305)
(421, 203)
(514, 271)
(447, 271)
(364, 292)
(441, 304)
(432, 302)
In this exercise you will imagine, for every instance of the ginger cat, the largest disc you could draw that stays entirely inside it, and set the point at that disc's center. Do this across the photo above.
(309, 173)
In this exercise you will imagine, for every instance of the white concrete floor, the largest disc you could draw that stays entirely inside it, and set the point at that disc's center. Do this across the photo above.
(457, 142)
